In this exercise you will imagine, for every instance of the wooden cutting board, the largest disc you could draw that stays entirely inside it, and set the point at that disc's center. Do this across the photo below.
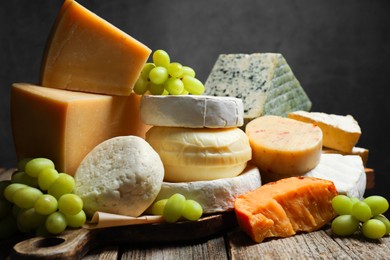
(73, 244)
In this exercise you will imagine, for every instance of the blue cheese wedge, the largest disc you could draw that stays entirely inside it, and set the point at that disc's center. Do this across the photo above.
(264, 82)
(346, 172)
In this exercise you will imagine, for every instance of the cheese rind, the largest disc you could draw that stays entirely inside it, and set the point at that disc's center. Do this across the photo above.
(215, 195)
(339, 132)
(196, 154)
(283, 147)
(264, 82)
(192, 111)
(65, 125)
(86, 53)
(345, 171)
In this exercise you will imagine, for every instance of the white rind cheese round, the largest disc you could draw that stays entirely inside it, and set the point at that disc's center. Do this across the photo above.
(216, 195)
(192, 111)
(196, 154)
(122, 175)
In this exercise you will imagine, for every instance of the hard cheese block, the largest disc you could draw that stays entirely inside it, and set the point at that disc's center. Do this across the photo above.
(339, 132)
(64, 125)
(345, 171)
(285, 207)
(192, 111)
(197, 154)
(215, 195)
(86, 53)
(283, 147)
(264, 82)
(360, 151)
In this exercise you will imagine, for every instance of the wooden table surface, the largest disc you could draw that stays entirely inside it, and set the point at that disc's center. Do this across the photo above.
(234, 244)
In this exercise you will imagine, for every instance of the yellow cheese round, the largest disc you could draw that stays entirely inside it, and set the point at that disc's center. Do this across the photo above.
(195, 154)
(283, 147)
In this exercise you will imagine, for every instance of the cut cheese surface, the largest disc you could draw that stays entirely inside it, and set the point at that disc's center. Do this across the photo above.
(87, 53)
(285, 207)
(362, 152)
(345, 171)
(196, 154)
(215, 195)
(339, 132)
(65, 125)
(192, 111)
(264, 82)
(283, 147)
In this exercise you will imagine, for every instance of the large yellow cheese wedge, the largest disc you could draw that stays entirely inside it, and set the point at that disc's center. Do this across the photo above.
(65, 125)
(283, 147)
(198, 154)
(86, 53)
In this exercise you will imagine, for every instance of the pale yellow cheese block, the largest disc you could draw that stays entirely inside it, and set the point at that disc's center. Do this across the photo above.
(65, 125)
(283, 147)
(86, 53)
(196, 154)
(339, 132)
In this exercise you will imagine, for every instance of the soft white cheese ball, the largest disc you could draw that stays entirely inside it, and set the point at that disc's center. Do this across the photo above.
(122, 175)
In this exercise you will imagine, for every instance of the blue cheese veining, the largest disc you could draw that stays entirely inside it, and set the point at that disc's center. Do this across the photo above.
(264, 82)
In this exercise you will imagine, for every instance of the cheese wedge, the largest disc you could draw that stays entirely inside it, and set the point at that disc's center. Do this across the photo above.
(283, 147)
(286, 207)
(214, 195)
(264, 82)
(339, 132)
(86, 53)
(197, 154)
(362, 152)
(192, 111)
(345, 171)
(64, 125)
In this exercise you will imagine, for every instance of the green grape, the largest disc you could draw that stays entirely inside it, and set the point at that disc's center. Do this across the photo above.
(56, 223)
(3, 184)
(184, 92)
(158, 207)
(342, 204)
(146, 70)
(188, 71)
(141, 86)
(8, 227)
(15, 210)
(161, 58)
(155, 89)
(46, 204)
(22, 164)
(29, 219)
(10, 190)
(174, 208)
(24, 178)
(175, 69)
(373, 228)
(378, 204)
(5, 208)
(361, 211)
(77, 220)
(385, 221)
(192, 210)
(158, 75)
(345, 225)
(62, 185)
(26, 197)
(165, 92)
(174, 86)
(47, 177)
(36, 165)
(193, 85)
(70, 204)
(41, 231)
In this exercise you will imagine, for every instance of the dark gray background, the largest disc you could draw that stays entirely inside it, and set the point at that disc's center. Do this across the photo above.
(339, 50)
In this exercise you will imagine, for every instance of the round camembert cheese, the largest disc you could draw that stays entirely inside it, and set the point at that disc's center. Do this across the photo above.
(192, 111)
(195, 154)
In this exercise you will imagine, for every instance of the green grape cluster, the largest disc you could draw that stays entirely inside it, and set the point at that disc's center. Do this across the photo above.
(39, 198)
(176, 207)
(163, 77)
(364, 215)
